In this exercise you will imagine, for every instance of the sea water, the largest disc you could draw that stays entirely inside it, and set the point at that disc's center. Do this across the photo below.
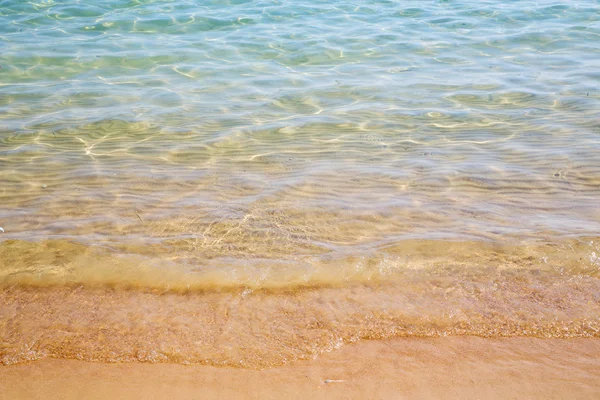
(252, 182)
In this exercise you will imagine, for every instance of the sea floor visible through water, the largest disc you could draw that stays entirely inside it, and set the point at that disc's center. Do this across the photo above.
(250, 188)
(135, 312)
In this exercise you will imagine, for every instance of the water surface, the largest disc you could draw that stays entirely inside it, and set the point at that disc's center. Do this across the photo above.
(289, 176)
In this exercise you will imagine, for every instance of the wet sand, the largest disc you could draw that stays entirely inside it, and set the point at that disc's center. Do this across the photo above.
(449, 368)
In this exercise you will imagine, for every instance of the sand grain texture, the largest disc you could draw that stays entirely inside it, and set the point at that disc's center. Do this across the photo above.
(411, 368)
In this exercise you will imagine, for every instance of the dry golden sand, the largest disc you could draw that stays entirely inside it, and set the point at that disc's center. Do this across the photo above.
(413, 368)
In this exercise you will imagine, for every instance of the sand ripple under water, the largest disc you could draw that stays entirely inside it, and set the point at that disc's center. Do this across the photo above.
(251, 182)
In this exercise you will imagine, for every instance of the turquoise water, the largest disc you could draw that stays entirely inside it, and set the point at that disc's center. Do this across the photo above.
(150, 121)
(499, 99)
(294, 175)
(217, 67)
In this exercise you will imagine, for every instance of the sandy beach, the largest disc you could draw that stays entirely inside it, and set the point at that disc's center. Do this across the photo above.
(405, 368)
(258, 199)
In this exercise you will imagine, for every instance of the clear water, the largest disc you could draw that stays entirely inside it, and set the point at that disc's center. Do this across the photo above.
(380, 160)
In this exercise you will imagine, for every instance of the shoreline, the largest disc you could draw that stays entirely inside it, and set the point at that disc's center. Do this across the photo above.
(259, 330)
(461, 367)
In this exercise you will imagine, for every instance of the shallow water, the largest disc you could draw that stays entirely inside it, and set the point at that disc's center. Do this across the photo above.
(383, 168)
